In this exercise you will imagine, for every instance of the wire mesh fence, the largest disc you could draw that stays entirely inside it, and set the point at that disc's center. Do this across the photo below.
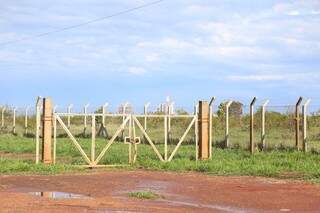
(280, 124)
(17, 120)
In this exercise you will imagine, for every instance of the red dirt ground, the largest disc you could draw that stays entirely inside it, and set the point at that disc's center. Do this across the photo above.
(186, 192)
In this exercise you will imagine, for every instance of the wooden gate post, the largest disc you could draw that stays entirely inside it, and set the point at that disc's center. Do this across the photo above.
(252, 144)
(304, 125)
(297, 122)
(203, 123)
(263, 124)
(47, 131)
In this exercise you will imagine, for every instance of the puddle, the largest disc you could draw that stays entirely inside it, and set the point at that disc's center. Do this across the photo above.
(207, 206)
(59, 195)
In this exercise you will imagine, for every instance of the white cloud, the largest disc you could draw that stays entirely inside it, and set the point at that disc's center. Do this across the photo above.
(293, 13)
(152, 57)
(255, 77)
(287, 76)
(136, 70)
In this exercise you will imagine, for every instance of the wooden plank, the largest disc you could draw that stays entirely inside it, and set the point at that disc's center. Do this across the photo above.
(93, 138)
(165, 121)
(54, 138)
(61, 114)
(182, 138)
(74, 141)
(148, 139)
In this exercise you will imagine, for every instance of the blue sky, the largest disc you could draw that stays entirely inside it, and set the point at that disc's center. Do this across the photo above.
(187, 49)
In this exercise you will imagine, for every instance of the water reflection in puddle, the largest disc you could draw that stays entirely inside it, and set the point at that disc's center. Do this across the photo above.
(59, 195)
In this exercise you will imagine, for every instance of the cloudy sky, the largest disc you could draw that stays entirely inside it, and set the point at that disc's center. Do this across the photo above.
(187, 49)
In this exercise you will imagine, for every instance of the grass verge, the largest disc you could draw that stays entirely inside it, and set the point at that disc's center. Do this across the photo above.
(148, 195)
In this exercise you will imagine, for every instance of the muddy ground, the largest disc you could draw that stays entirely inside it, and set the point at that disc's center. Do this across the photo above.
(186, 192)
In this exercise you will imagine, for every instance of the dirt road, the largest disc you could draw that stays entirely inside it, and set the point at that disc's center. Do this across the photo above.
(108, 192)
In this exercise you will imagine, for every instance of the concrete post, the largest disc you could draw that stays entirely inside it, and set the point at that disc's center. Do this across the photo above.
(145, 111)
(47, 131)
(85, 111)
(227, 137)
(38, 125)
(104, 110)
(305, 125)
(297, 122)
(26, 121)
(2, 116)
(14, 121)
(69, 116)
(263, 124)
(124, 112)
(203, 123)
(252, 144)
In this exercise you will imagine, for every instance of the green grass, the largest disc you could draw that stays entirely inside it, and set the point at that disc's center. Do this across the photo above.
(8, 166)
(17, 156)
(144, 195)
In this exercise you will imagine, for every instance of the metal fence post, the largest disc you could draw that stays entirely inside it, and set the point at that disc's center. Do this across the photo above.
(210, 125)
(47, 131)
(305, 125)
(227, 138)
(252, 144)
(297, 122)
(263, 124)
